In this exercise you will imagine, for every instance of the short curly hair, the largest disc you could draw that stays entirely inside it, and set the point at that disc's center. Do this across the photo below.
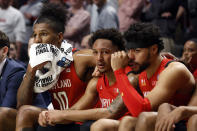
(110, 34)
(143, 35)
(4, 40)
(53, 14)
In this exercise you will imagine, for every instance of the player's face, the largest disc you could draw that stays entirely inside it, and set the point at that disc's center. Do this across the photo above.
(102, 50)
(43, 33)
(190, 52)
(139, 59)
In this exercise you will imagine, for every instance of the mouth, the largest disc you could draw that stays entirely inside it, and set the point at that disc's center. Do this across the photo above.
(100, 65)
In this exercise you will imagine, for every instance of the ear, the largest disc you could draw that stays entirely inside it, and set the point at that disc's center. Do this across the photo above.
(154, 49)
(60, 37)
(5, 50)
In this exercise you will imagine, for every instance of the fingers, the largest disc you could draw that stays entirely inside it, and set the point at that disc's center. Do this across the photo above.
(96, 72)
(119, 60)
(43, 118)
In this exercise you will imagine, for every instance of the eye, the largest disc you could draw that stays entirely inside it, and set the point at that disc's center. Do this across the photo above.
(137, 50)
(106, 52)
(43, 34)
(95, 52)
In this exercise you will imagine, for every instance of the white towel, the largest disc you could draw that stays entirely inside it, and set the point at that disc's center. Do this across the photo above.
(58, 60)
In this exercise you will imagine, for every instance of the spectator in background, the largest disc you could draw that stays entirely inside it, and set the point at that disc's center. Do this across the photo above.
(78, 25)
(12, 23)
(164, 14)
(192, 7)
(103, 16)
(85, 41)
(12, 51)
(189, 56)
(30, 11)
(129, 13)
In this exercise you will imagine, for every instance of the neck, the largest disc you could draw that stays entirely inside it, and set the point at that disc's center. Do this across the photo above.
(74, 9)
(155, 63)
(111, 77)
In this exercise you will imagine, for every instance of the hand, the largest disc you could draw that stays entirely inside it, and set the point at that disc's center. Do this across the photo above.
(55, 117)
(166, 14)
(43, 118)
(119, 60)
(96, 72)
(32, 71)
(167, 122)
(168, 55)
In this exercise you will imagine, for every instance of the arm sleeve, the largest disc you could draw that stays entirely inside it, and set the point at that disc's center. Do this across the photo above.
(134, 102)
(13, 84)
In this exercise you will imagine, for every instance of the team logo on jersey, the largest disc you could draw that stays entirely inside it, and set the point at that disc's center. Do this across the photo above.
(68, 70)
(145, 93)
(154, 83)
(143, 82)
(101, 87)
(116, 90)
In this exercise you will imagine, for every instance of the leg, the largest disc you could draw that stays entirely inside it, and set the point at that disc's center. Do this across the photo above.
(192, 123)
(146, 121)
(27, 118)
(7, 119)
(128, 123)
(105, 125)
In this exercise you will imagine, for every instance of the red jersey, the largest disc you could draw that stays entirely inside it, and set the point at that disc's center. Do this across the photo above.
(68, 89)
(106, 92)
(146, 85)
(195, 74)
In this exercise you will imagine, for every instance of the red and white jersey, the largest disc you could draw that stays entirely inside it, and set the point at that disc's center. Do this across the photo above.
(106, 92)
(146, 85)
(68, 89)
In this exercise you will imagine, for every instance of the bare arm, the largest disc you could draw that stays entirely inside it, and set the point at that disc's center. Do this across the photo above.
(164, 90)
(25, 91)
(87, 101)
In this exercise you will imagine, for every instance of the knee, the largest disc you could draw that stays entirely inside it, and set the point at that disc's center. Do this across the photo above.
(99, 125)
(146, 120)
(27, 113)
(192, 122)
(128, 121)
(6, 113)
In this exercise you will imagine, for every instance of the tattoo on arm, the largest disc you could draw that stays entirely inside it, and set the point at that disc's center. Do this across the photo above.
(117, 106)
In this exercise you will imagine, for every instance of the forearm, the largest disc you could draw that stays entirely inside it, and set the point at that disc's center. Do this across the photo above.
(25, 92)
(84, 115)
(165, 109)
(132, 99)
(188, 111)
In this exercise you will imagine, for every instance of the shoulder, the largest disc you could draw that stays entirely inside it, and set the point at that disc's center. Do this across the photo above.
(84, 57)
(94, 81)
(15, 12)
(109, 9)
(14, 66)
(92, 84)
(176, 71)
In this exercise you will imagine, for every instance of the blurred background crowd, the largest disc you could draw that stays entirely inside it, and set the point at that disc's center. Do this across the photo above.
(177, 20)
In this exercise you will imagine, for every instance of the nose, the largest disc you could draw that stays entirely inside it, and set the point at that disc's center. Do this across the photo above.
(99, 56)
(131, 55)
